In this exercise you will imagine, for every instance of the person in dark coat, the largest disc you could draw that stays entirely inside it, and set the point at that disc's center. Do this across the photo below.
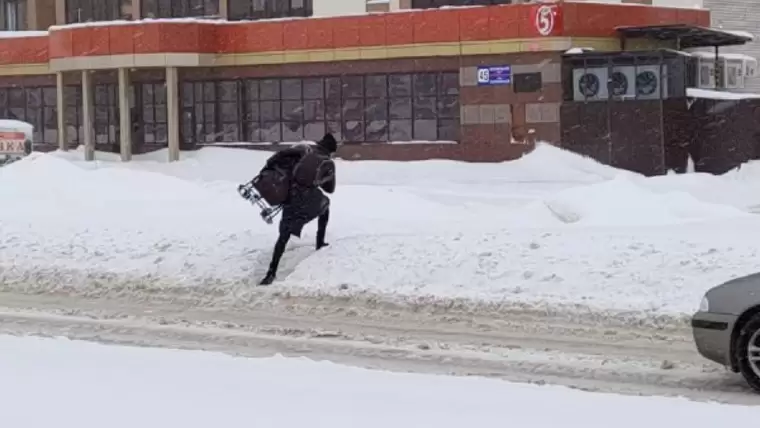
(305, 203)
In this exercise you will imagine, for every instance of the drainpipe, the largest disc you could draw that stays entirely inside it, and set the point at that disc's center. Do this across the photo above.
(718, 74)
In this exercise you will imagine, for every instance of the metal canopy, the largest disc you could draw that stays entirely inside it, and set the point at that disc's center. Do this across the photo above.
(687, 36)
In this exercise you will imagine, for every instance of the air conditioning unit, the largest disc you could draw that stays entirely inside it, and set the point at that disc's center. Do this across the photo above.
(706, 73)
(732, 73)
(622, 82)
(651, 82)
(590, 84)
(750, 68)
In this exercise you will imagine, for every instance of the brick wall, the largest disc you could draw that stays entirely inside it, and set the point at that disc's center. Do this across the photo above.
(502, 113)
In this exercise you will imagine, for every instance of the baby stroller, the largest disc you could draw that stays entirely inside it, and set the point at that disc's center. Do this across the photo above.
(268, 190)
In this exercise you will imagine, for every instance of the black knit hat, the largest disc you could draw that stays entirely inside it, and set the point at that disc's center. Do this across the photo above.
(329, 143)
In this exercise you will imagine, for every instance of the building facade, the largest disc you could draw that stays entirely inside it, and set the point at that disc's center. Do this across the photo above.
(737, 15)
(743, 15)
(402, 85)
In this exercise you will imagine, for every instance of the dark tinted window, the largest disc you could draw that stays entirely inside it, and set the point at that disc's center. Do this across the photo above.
(97, 10)
(179, 8)
(152, 98)
(527, 82)
(356, 108)
(37, 106)
(12, 15)
(429, 4)
(267, 9)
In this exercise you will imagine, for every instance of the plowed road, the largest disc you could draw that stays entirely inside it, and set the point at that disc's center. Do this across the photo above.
(522, 348)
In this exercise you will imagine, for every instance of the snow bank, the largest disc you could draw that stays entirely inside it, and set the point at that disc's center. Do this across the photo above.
(620, 202)
(190, 389)
(200, 389)
(118, 220)
(23, 33)
(719, 95)
(551, 230)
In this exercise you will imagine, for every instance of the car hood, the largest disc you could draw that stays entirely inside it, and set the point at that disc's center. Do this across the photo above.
(735, 296)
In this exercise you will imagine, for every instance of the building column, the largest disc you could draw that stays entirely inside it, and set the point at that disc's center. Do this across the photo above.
(88, 126)
(60, 12)
(172, 112)
(60, 105)
(31, 15)
(224, 9)
(125, 116)
(136, 8)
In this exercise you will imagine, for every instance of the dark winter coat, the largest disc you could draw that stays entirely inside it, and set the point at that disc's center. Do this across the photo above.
(304, 204)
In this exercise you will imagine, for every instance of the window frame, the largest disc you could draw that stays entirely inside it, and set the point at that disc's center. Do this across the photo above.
(79, 11)
(435, 4)
(268, 112)
(253, 10)
(520, 80)
(161, 9)
(152, 99)
(110, 120)
(20, 10)
(38, 106)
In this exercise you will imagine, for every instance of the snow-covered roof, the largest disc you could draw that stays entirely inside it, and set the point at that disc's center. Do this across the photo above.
(220, 21)
(719, 95)
(17, 34)
(732, 56)
(740, 33)
(136, 22)
(578, 50)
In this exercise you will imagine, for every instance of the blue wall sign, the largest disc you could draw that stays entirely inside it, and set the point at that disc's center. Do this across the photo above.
(495, 75)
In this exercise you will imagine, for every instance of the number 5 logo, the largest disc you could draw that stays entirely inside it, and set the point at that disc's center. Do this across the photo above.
(545, 20)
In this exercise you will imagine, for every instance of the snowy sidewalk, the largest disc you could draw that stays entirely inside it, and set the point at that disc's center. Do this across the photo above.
(56, 382)
(550, 229)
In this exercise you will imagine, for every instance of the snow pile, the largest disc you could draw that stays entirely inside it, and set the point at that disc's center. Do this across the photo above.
(200, 389)
(190, 389)
(550, 230)
(118, 220)
(739, 188)
(44, 185)
(620, 202)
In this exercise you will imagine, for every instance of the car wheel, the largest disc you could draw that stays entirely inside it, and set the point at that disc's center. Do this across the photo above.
(747, 352)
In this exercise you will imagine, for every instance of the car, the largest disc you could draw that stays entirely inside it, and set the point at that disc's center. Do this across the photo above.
(726, 327)
(15, 140)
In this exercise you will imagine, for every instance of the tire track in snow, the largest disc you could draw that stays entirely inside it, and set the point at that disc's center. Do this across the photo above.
(524, 348)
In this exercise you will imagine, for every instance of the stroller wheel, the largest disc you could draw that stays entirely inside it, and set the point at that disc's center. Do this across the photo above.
(266, 214)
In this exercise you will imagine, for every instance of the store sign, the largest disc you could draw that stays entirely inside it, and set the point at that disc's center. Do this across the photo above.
(12, 143)
(545, 21)
(495, 75)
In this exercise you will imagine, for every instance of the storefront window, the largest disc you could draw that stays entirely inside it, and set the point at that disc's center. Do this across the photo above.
(13, 15)
(97, 10)
(106, 120)
(153, 116)
(431, 4)
(179, 8)
(356, 108)
(37, 106)
(268, 9)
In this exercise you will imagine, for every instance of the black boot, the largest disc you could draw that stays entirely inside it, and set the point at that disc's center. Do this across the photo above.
(322, 229)
(279, 249)
(269, 279)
